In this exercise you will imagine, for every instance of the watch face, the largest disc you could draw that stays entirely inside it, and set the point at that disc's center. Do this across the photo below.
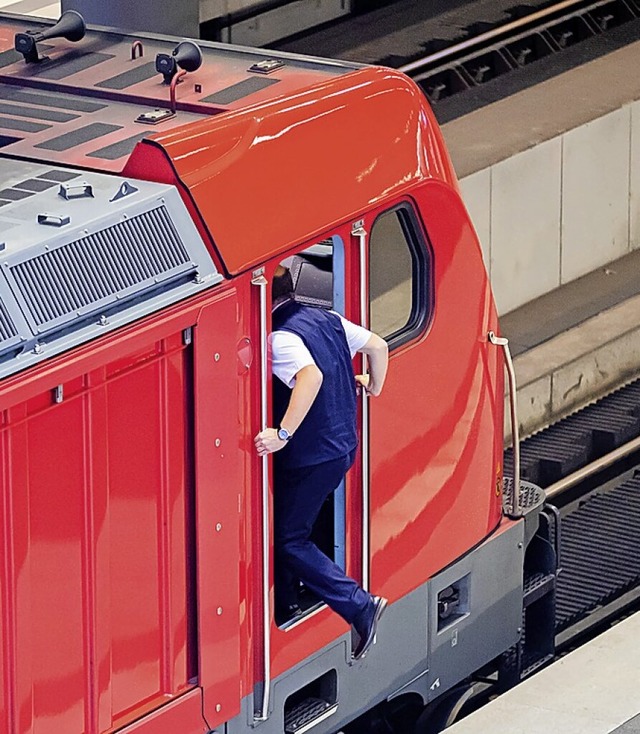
(283, 434)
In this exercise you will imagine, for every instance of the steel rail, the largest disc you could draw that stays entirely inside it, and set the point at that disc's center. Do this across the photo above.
(586, 471)
(471, 43)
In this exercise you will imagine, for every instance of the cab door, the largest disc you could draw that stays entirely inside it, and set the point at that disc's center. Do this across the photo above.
(433, 442)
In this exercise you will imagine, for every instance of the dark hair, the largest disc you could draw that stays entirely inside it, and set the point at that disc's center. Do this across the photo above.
(282, 286)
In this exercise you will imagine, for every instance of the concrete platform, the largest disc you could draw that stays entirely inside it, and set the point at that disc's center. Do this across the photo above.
(576, 343)
(593, 690)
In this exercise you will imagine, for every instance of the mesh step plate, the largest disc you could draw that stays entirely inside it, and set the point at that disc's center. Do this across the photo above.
(304, 713)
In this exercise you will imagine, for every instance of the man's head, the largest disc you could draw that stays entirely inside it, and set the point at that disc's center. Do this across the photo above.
(282, 285)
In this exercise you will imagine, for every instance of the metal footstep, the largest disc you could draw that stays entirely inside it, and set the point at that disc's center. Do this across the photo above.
(308, 713)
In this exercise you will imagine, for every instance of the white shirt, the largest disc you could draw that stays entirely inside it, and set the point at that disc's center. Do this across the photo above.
(289, 354)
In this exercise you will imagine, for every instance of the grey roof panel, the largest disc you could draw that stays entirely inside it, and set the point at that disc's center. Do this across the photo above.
(89, 255)
(78, 137)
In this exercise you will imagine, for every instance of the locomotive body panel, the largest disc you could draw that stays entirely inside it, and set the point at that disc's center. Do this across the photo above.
(268, 155)
(433, 438)
(96, 537)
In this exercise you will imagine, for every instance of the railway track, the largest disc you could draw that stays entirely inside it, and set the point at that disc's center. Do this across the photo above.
(589, 466)
(507, 47)
(459, 47)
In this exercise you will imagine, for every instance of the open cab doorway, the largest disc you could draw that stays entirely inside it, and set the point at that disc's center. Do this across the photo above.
(318, 279)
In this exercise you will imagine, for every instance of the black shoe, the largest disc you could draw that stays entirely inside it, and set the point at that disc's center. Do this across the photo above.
(366, 623)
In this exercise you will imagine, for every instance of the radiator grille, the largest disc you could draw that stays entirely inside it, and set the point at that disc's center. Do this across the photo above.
(121, 260)
(7, 327)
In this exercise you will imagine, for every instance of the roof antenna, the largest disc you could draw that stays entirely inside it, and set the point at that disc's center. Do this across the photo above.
(70, 26)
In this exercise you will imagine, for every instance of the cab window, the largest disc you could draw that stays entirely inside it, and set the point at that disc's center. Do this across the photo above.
(399, 289)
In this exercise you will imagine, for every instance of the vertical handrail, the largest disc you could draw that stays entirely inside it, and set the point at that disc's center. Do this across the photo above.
(359, 231)
(515, 429)
(263, 714)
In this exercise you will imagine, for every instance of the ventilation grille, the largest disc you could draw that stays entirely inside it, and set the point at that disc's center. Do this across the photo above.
(117, 262)
(7, 327)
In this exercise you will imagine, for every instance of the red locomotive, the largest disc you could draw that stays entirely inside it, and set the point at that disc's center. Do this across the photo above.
(149, 193)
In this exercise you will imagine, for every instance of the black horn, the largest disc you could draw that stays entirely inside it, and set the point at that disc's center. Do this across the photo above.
(70, 26)
(185, 55)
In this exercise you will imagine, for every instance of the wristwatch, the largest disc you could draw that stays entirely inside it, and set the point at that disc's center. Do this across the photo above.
(283, 434)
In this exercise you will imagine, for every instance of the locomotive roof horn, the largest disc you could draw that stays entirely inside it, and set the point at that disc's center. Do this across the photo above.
(186, 55)
(70, 25)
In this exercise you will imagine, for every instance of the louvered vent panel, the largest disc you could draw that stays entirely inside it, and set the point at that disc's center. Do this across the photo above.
(7, 327)
(125, 257)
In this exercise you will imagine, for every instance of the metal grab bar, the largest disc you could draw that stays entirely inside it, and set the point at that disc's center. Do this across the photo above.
(515, 428)
(359, 231)
(263, 714)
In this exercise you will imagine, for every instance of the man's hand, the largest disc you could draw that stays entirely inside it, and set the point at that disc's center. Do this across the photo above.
(364, 382)
(267, 442)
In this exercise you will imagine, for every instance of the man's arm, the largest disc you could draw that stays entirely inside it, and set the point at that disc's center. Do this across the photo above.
(377, 351)
(305, 390)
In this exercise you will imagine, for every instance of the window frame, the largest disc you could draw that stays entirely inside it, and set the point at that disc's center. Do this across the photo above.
(422, 291)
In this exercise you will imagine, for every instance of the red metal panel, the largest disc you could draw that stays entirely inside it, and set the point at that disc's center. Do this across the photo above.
(146, 524)
(43, 567)
(93, 533)
(220, 488)
(182, 716)
(368, 122)
(7, 586)
(437, 425)
(134, 458)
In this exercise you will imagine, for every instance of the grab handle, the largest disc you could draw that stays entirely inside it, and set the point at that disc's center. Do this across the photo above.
(515, 430)
(263, 714)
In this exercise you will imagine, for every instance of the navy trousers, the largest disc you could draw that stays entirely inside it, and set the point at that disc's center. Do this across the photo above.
(298, 498)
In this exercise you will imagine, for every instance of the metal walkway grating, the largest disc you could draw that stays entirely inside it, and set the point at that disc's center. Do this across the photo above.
(599, 552)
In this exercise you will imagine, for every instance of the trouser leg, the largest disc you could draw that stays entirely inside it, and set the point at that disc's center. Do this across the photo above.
(300, 494)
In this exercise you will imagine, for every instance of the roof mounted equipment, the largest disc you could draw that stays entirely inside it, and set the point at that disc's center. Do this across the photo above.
(185, 55)
(70, 26)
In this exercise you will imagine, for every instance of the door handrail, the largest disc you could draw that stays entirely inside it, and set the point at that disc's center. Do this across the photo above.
(358, 230)
(261, 282)
(516, 510)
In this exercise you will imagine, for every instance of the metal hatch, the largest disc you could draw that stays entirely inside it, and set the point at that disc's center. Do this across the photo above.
(84, 253)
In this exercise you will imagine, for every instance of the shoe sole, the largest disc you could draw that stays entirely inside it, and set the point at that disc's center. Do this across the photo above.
(381, 605)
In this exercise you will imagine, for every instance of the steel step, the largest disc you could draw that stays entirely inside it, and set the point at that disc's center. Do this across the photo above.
(306, 714)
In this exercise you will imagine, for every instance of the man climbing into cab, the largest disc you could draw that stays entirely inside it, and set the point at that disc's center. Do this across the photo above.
(316, 441)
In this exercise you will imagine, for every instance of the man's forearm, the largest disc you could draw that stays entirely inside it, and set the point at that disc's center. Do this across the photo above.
(377, 351)
(305, 390)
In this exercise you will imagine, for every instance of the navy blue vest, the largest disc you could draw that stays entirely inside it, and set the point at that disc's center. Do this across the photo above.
(329, 428)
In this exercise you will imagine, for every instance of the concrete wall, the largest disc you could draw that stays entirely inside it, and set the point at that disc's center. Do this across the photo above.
(559, 209)
(551, 175)
(275, 24)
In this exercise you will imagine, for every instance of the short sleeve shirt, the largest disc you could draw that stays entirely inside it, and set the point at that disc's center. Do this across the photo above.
(289, 353)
